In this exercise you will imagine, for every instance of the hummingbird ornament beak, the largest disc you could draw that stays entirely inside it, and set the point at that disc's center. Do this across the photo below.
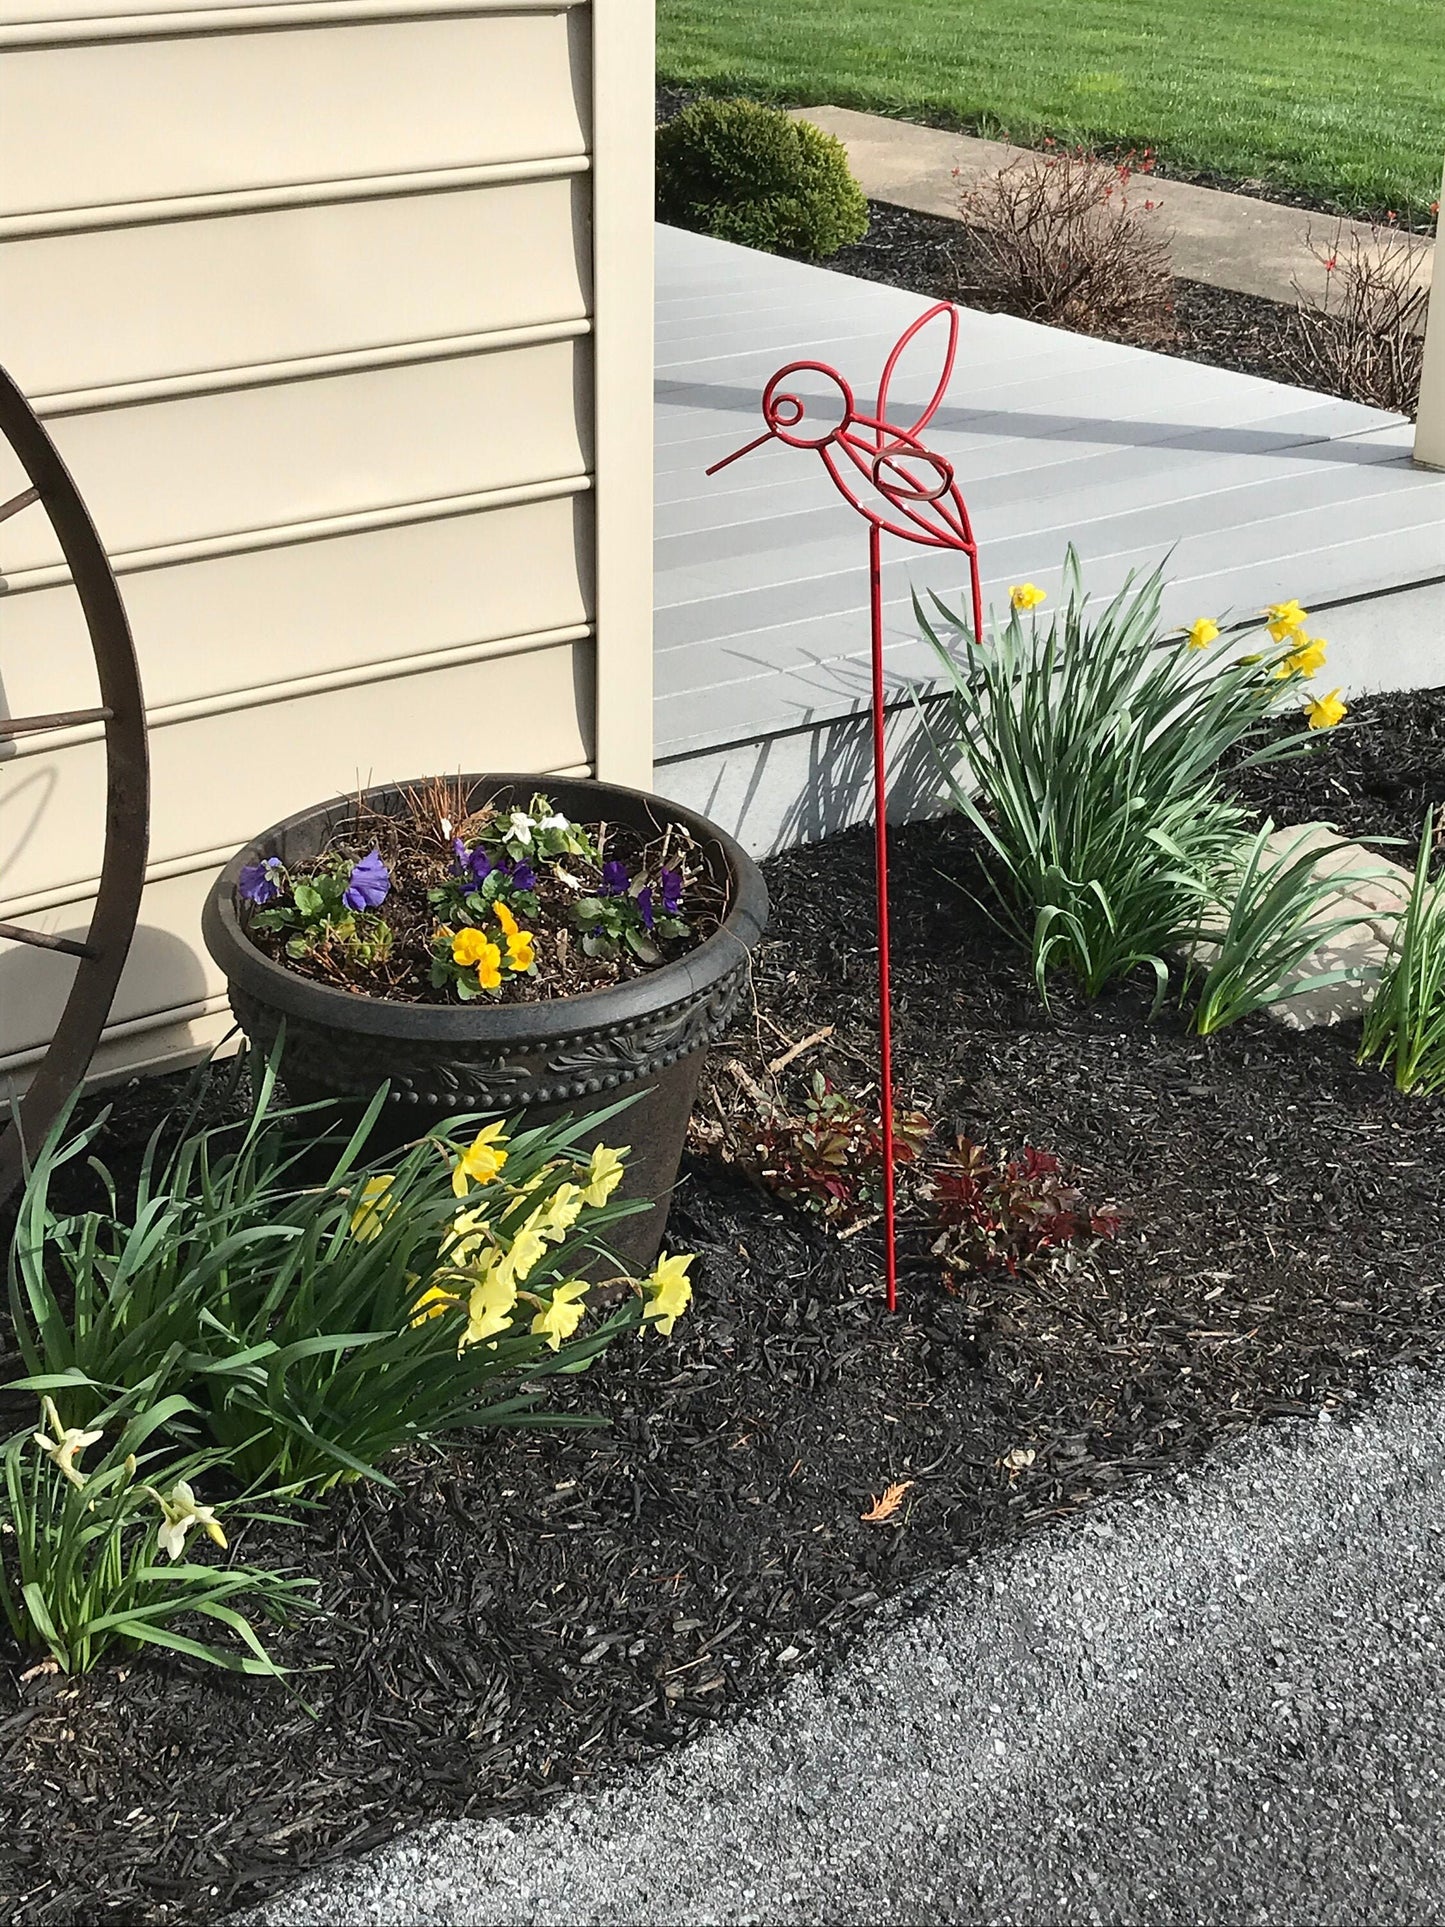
(738, 453)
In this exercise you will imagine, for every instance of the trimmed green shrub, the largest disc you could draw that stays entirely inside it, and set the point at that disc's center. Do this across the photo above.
(748, 173)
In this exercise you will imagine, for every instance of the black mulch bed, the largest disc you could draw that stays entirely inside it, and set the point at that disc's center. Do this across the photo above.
(930, 255)
(530, 1614)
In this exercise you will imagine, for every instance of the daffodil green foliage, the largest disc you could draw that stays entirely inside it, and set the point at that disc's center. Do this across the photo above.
(99, 1551)
(316, 1315)
(1405, 1023)
(1084, 747)
(1265, 927)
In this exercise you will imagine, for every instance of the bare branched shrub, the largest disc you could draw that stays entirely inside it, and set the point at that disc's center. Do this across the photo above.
(1365, 337)
(1063, 237)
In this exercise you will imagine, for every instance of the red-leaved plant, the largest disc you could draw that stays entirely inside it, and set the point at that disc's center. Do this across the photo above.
(827, 1157)
(1019, 1215)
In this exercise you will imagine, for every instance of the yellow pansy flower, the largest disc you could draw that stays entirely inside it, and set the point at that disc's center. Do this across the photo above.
(519, 949)
(1026, 595)
(668, 1291)
(564, 1314)
(1325, 711)
(371, 1212)
(1202, 632)
(603, 1176)
(1305, 661)
(470, 946)
(490, 1305)
(505, 918)
(1286, 619)
(482, 1159)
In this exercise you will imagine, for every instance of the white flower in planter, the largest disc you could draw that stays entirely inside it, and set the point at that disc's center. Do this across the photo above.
(67, 1445)
(521, 830)
(182, 1511)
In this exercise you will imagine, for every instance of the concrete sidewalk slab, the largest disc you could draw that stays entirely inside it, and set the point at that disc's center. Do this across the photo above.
(1225, 240)
(1219, 1701)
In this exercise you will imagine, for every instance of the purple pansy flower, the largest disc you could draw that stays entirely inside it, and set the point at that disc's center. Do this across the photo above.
(461, 862)
(524, 877)
(670, 891)
(615, 880)
(480, 865)
(644, 907)
(257, 882)
(369, 884)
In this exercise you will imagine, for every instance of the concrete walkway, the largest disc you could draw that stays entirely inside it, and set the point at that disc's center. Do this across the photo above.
(1226, 240)
(1222, 1701)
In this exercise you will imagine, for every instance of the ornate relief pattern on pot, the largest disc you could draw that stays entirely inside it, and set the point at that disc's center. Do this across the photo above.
(441, 1075)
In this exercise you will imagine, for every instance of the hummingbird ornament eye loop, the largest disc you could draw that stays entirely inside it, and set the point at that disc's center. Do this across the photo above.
(789, 416)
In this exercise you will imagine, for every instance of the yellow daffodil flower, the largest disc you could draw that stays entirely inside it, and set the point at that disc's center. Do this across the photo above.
(469, 1239)
(482, 1159)
(560, 1212)
(1286, 619)
(489, 1308)
(526, 1251)
(519, 950)
(433, 1303)
(1305, 661)
(1325, 711)
(1026, 595)
(604, 1175)
(668, 1291)
(182, 1511)
(564, 1314)
(67, 1445)
(503, 914)
(1202, 632)
(371, 1213)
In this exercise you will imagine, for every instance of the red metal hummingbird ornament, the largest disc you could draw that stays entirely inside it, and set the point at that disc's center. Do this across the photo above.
(904, 489)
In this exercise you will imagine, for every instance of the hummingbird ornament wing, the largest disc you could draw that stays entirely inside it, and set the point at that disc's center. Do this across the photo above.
(946, 338)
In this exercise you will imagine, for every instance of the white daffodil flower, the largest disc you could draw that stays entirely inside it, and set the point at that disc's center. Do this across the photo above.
(67, 1445)
(182, 1511)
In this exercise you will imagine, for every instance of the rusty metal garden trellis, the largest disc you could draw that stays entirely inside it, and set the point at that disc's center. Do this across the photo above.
(100, 955)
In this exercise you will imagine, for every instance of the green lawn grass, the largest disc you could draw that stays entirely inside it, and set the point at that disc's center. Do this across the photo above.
(1340, 100)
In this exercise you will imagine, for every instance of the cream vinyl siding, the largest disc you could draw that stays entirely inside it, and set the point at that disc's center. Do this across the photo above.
(340, 312)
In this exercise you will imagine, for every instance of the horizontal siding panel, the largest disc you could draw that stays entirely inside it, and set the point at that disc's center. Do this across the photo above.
(219, 779)
(153, 118)
(113, 305)
(211, 464)
(232, 622)
(166, 969)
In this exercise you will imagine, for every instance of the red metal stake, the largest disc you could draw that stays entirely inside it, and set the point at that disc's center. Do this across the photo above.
(922, 504)
(885, 993)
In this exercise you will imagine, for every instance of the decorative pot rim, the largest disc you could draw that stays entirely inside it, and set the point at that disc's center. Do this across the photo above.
(613, 1006)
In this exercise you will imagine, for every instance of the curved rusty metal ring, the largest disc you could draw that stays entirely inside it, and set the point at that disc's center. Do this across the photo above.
(889, 476)
(101, 954)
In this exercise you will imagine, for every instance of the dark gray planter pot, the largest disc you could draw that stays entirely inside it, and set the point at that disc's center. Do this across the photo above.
(562, 1058)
